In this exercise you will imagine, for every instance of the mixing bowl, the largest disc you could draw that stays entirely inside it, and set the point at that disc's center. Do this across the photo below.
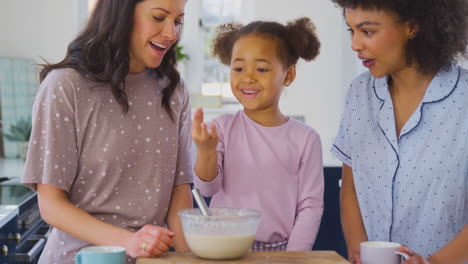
(227, 233)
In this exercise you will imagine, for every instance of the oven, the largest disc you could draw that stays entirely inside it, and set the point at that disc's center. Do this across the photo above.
(8, 229)
(29, 232)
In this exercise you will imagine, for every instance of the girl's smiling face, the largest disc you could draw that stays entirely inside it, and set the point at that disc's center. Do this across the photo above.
(156, 27)
(257, 73)
(379, 39)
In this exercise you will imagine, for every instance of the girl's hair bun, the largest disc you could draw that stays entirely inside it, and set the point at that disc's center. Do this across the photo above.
(303, 38)
(224, 40)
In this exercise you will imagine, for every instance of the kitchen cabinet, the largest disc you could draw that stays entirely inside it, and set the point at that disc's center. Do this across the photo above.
(8, 233)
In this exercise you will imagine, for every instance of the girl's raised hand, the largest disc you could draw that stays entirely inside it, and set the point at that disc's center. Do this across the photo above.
(203, 138)
(150, 241)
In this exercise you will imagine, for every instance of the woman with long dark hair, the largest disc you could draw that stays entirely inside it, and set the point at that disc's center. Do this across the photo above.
(110, 145)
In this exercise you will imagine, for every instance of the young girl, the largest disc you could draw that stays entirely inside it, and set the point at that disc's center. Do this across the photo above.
(260, 158)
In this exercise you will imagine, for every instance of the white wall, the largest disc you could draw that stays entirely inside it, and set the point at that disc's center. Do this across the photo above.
(319, 89)
(463, 62)
(44, 28)
(39, 28)
(318, 92)
(193, 45)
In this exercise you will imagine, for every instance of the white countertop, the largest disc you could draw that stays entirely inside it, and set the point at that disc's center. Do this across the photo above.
(11, 168)
(7, 212)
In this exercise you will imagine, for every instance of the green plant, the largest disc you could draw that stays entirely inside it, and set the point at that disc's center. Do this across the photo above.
(21, 131)
(181, 55)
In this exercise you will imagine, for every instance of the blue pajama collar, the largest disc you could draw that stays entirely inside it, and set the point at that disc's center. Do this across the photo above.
(441, 86)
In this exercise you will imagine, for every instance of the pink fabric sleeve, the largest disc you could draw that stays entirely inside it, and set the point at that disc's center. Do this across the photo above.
(310, 197)
(208, 189)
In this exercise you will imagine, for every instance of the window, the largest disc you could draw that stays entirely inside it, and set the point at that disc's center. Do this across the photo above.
(216, 75)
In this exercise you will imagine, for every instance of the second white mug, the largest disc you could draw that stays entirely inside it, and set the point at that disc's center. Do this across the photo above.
(381, 252)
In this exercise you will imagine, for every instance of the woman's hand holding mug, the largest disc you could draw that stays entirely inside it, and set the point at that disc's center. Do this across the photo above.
(355, 258)
(413, 258)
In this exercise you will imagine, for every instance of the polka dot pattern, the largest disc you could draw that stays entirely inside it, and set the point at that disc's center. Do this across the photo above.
(120, 168)
(412, 189)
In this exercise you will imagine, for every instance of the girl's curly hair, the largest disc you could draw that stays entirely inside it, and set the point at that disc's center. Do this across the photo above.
(295, 40)
(443, 28)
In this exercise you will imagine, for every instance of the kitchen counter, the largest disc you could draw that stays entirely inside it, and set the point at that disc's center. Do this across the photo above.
(7, 212)
(259, 257)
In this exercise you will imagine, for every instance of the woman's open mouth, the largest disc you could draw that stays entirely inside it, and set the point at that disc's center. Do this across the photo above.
(158, 47)
(368, 63)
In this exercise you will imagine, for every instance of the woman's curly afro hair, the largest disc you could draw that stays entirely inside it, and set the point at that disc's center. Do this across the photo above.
(443, 28)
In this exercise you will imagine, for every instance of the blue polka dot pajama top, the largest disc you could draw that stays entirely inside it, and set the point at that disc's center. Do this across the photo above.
(411, 189)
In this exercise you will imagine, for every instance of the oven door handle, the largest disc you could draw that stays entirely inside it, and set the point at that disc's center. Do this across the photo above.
(33, 253)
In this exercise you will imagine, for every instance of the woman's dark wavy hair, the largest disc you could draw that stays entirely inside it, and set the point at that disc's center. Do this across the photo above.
(295, 40)
(101, 52)
(443, 28)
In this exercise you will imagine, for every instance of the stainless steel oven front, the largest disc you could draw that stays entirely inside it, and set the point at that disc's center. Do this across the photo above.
(29, 224)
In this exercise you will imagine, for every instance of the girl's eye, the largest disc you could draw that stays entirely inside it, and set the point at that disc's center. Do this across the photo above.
(179, 22)
(237, 69)
(262, 70)
(368, 32)
(350, 31)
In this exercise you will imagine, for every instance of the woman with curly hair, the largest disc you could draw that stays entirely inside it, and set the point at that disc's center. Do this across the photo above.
(403, 137)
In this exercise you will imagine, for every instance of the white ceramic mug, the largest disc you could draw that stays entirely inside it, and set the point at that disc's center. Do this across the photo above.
(381, 252)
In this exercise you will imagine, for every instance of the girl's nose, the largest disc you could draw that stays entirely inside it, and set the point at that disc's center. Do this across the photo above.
(249, 77)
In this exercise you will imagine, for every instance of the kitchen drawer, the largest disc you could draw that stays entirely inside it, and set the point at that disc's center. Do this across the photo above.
(8, 241)
(30, 251)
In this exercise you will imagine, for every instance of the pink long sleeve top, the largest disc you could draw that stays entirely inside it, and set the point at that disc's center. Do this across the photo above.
(275, 170)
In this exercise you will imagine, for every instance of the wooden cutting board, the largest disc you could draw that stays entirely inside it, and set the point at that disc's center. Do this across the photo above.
(260, 257)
